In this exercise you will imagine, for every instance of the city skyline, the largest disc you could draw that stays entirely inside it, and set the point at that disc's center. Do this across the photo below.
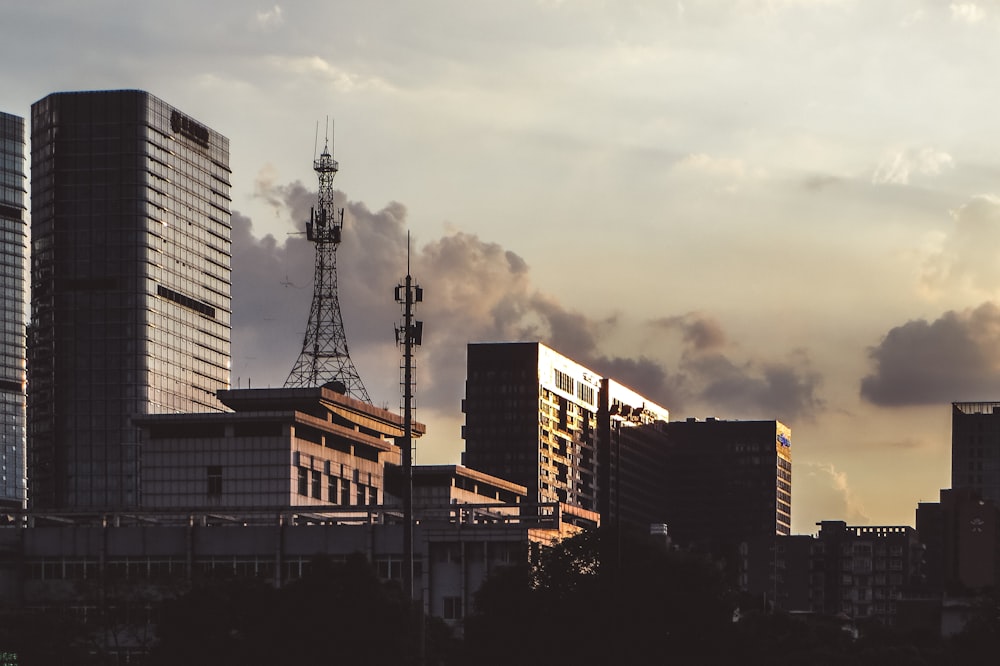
(758, 210)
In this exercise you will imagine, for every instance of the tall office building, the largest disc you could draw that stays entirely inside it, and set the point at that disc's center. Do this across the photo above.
(975, 448)
(728, 481)
(13, 252)
(542, 420)
(130, 294)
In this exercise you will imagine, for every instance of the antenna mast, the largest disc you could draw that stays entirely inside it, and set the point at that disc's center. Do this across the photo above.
(324, 358)
(408, 336)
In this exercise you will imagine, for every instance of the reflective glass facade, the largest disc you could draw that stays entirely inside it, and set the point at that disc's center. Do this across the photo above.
(130, 297)
(13, 296)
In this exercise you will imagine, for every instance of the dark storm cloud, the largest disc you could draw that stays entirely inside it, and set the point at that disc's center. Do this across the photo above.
(953, 358)
(787, 391)
(272, 288)
(699, 331)
(647, 377)
(474, 291)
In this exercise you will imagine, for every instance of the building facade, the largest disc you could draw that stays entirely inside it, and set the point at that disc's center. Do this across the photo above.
(537, 418)
(864, 572)
(130, 294)
(975, 448)
(961, 534)
(727, 481)
(284, 447)
(855, 572)
(113, 570)
(13, 304)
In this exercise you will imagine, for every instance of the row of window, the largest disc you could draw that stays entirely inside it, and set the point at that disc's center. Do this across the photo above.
(165, 569)
(338, 490)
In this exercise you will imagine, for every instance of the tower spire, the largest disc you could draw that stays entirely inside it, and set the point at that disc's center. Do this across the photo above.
(324, 358)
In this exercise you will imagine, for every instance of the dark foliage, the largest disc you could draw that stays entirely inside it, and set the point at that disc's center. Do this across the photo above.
(338, 612)
(569, 608)
(41, 638)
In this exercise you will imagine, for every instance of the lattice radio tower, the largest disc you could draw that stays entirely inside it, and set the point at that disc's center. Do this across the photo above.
(324, 358)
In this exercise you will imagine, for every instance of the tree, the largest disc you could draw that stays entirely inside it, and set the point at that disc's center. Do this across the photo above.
(599, 598)
(337, 612)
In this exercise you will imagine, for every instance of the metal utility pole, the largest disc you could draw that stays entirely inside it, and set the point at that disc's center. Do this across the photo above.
(324, 358)
(409, 335)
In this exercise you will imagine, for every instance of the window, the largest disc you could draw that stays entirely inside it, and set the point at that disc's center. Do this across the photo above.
(214, 480)
(389, 569)
(564, 382)
(345, 492)
(453, 608)
(303, 481)
(332, 489)
(317, 484)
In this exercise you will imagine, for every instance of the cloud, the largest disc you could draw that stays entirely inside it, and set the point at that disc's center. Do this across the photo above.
(269, 19)
(819, 182)
(828, 493)
(954, 358)
(969, 251)
(783, 390)
(474, 291)
(318, 67)
(722, 166)
(699, 331)
(897, 166)
(966, 12)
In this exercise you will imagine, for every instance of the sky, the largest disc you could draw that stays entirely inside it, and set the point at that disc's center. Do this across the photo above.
(746, 209)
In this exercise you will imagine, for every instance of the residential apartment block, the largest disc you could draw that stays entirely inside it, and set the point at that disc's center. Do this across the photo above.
(544, 421)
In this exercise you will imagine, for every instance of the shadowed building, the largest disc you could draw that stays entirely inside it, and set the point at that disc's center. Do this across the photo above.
(13, 295)
(975, 448)
(962, 536)
(728, 481)
(130, 293)
(858, 573)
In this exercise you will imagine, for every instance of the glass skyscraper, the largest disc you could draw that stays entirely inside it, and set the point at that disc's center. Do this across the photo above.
(13, 266)
(131, 287)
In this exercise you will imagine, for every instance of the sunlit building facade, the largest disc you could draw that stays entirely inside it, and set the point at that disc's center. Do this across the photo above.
(544, 421)
(131, 287)
(13, 304)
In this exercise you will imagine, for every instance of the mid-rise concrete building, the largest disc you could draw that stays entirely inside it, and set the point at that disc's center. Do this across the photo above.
(13, 306)
(277, 448)
(863, 572)
(856, 572)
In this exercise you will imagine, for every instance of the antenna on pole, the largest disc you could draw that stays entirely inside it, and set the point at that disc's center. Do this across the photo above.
(409, 335)
(324, 359)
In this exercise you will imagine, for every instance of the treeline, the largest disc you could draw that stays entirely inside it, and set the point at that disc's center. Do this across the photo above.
(598, 598)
